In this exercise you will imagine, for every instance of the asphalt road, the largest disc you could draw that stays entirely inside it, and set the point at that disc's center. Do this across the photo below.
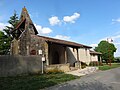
(102, 80)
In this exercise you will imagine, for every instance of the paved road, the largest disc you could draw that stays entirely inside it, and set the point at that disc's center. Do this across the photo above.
(102, 80)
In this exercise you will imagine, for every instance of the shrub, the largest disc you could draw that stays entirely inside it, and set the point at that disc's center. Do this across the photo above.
(83, 65)
(53, 71)
(95, 63)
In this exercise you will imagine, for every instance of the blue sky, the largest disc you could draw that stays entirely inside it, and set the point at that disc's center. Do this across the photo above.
(83, 21)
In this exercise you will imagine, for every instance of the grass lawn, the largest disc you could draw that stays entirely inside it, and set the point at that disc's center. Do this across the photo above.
(33, 82)
(107, 67)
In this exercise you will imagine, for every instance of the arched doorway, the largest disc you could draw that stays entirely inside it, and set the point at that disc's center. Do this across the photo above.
(55, 58)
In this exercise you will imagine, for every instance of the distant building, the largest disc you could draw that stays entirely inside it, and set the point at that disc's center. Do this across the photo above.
(58, 53)
(95, 56)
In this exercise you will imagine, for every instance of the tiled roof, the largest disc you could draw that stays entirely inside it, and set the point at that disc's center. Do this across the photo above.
(62, 42)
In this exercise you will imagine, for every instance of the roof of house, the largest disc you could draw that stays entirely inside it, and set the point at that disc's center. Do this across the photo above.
(95, 53)
(62, 42)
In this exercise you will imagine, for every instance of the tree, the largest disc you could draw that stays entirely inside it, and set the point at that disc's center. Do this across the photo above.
(107, 49)
(6, 36)
(117, 59)
(13, 22)
(2, 37)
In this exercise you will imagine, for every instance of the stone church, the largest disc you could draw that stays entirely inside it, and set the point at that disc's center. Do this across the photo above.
(58, 53)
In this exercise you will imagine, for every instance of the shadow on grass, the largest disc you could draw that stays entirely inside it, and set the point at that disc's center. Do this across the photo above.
(33, 82)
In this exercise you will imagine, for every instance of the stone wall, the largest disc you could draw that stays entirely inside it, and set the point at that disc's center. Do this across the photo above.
(16, 65)
(14, 47)
(59, 67)
(37, 44)
(24, 42)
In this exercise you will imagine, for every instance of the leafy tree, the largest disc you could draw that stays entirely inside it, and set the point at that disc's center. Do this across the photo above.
(6, 38)
(107, 49)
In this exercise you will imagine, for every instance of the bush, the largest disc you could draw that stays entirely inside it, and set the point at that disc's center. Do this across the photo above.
(83, 65)
(100, 64)
(53, 71)
(95, 63)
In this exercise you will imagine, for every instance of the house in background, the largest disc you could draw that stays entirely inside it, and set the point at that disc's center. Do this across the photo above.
(95, 56)
(58, 53)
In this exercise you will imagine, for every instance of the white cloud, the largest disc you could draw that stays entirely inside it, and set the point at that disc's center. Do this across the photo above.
(72, 18)
(46, 30)
(43, 30)
(94, 45)
(62, 37)
(115, 20)
(67, 19)
(117, 53)
(54, 21)
(2, 25)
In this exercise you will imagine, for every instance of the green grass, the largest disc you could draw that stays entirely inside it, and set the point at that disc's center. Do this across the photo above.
(107, 67)
(33, 82)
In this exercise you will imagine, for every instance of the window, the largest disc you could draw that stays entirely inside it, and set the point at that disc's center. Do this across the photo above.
(33, 52)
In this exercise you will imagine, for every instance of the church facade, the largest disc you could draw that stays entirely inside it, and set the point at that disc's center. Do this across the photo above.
(57, 53)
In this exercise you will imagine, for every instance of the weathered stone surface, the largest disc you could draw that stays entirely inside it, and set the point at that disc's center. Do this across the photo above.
(61, 67)
(17, 65)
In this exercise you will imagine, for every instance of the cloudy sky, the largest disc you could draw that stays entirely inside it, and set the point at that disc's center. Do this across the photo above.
(83, 21)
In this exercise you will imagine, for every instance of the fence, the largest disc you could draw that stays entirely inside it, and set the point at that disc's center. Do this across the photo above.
(16, 65)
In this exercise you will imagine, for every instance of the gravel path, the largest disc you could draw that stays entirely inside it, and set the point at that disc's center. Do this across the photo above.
(102, 80)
